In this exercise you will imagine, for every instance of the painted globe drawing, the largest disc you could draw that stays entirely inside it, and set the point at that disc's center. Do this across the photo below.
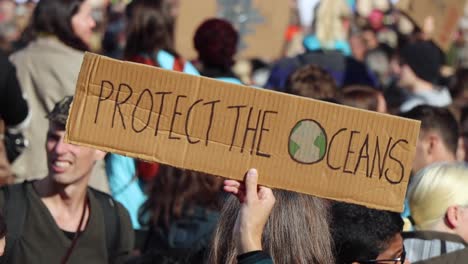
(307, 142)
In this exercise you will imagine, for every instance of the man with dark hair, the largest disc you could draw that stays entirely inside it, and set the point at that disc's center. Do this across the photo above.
(417, 70)
(438, 138)
(59, 219)
(364, 235)
(313, 82)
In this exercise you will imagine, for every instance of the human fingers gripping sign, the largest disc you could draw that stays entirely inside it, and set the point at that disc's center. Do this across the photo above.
(236, 188)
(256, 205)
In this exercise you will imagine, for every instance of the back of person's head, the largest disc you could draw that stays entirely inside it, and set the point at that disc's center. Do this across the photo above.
(438, 187)
(296, 231)
(313, 82)
(54, 17)
(438, 120)
(176, 192)
(361, 233)
(216, 43)
(424, 59)
(328, 22)
(150, 27)
(364, 97)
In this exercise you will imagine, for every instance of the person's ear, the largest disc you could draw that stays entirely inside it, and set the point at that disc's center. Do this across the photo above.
(452, 218)
(433, 141)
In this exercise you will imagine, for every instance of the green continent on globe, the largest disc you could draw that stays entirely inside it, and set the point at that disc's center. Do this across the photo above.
(321, 143)
(307, 142)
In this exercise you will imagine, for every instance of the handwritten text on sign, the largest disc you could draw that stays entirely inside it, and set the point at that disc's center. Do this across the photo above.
(252, 136)
(223, 129)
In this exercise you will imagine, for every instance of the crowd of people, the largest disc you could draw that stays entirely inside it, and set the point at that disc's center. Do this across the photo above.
(63, 203)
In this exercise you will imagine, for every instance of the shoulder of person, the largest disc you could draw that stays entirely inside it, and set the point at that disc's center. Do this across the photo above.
(107, 201)
(13, 190)
(459, 256)
(115, 214)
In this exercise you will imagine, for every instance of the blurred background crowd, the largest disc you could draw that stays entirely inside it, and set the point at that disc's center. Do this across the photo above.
(367, 54)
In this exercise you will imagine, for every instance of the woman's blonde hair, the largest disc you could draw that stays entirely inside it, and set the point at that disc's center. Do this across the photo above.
(328, 22)
(438, 187)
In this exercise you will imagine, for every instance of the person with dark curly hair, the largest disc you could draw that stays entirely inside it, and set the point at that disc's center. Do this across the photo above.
(364, 235)
(216, 43)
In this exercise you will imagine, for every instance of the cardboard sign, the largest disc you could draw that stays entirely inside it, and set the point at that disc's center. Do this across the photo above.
(446, 14)
(224, 129)
(261, 25)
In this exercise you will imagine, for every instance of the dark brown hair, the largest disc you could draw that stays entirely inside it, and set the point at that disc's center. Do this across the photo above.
(54, 17)
(361, 96)
(175, 191)
(216, 43)
(297, 231)
(313, 82)
(150, 27)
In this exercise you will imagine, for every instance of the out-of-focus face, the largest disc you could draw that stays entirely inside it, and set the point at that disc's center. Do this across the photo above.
(83, 23)
(68, 163)
(403, 73)
(370, 39)
(358, 47)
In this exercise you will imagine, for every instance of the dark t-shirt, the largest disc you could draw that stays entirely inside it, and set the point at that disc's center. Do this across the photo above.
(43, 241)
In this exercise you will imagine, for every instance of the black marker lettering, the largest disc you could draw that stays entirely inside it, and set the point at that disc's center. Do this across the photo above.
(349, 151)
(101, 99)
(187, 122)
(330, 148)
(174, 114)
(247, 129)
(238, 107)
(149, 114)
(163, 94)
(381, 162)
(212, 103)
(263, 128)
(399, 163)
(365, 146)
(117, 103)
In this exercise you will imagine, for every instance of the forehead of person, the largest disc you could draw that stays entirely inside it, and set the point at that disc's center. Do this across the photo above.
(394, 249)
(67, 163)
